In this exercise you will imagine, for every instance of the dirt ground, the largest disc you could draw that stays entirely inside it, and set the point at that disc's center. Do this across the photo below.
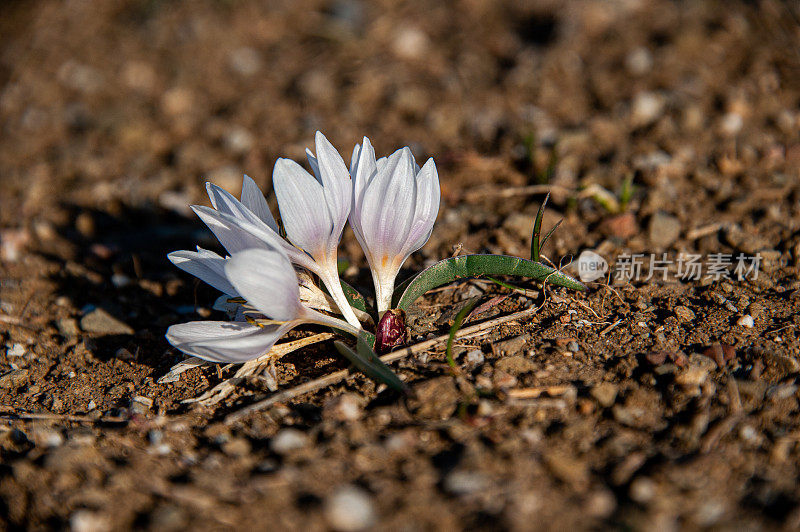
(647, 404)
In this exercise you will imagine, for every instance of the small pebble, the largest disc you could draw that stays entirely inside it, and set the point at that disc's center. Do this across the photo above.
(345, 407)
(684, 313)
(746, 321)
(16, 350)
(573, 347)
(87, 521)
(350, 509)
(605, 393)
(475, 357)
(68, 327)
(236, 447)
(643, 490)
(120, 281)
(647, 108)
(101, 322)
(288, 440)
(464, 482)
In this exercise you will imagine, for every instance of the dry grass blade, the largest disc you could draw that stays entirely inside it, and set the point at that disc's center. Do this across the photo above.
(253, 367)
(333, 378)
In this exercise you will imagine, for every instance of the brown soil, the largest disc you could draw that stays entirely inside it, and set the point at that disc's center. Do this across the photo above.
(614, 408)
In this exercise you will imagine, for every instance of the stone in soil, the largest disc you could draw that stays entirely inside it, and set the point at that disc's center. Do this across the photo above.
(515, 365)
(350, 509)
(68, 327)
(604, 393)
(435, 399)
(685, 314)
(620, 226)
(663, 230)
(288, 440)
(345, 407)
(512, 345)
(98, 321)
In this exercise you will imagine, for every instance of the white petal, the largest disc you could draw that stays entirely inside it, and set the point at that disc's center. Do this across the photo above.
(388, 207)
(225, 341)
(232, 237)
(302, 205)
(206, 266)
(226, 203)
(254, 199)
(336, 183)
(267, 281)
(362, 170)
(236, 234)
(428, 198)
(312, 162)
(354, 160)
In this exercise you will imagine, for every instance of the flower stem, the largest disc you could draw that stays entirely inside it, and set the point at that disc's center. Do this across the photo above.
(334, 287)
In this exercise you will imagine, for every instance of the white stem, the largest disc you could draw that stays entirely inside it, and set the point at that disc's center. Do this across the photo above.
(384, 288)
(334, 286)
(323, 319)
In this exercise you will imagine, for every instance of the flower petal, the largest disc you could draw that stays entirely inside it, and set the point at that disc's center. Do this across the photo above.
(254, 199)
(427, 208)
(236, 234)
(225, 341)
(267, 281)
(336, 184)
(232, 237)
(302, 204)
(388, 207)
(206, 266)
(226, 203)
(362, 169)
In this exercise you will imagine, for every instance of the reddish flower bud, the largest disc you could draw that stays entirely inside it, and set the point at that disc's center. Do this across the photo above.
(391, 331)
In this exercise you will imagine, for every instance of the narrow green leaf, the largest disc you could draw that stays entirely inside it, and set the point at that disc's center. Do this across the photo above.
(456, 268)
(459, 319)
(549, 233)
(504, 284)
(537, 230)
(355, 299)
(365, 359)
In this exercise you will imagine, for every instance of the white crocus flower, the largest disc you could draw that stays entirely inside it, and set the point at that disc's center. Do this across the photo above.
(267, 281)
(314, 210)
(395, 203)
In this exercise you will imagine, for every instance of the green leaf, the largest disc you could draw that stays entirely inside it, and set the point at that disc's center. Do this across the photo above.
(459, 319)
(626, 193)
(456, 268)
(537, 230)
(365, 359)
(549, 233)
(355, 299)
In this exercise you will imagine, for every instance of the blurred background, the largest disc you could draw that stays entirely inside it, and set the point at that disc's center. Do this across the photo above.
(658, 126)
(140, 101)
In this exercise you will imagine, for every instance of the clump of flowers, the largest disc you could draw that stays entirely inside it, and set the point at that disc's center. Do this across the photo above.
(267, 280)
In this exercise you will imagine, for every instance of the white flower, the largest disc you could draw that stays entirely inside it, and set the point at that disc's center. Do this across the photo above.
(314, 210)
(267, 280)
(395, 203)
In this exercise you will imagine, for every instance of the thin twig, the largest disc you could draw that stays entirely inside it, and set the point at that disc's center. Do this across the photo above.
(706, 230)
(610, 327)
(333, 378)
(60, 417)
(13, 320)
